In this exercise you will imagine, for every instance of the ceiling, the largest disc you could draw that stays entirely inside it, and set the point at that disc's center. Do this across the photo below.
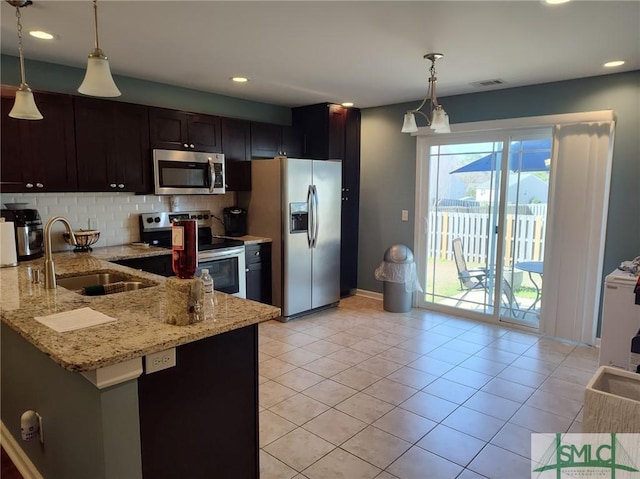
(303, 52)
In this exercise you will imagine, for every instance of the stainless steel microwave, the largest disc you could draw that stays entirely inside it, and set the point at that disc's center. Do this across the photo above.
(188, 173)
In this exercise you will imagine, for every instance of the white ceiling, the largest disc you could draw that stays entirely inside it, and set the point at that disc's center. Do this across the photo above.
(303, 52)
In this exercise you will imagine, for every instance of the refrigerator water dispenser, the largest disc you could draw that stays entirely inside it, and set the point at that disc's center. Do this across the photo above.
(299, 218)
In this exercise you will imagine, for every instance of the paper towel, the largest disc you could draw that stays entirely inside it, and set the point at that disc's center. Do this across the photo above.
(8, 256)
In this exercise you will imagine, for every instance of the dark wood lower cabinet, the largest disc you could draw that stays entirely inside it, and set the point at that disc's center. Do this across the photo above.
(199, 419)
(160, 265)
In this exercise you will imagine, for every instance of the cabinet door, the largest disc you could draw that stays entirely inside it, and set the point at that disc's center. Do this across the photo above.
(236, 146)
(167, 129)
(337, 122)
(39, 155)
(204, 133)
(133, 164)
(291, 142)
(266, 140)
(313, 122)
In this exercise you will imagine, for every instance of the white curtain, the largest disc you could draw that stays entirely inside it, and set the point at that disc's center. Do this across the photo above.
(579, 193)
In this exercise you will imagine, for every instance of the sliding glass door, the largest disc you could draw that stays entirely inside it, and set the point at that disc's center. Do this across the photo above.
(483, 200)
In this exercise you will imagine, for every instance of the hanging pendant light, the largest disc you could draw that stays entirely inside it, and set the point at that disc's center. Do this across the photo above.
(24, 107)
(97, 79)
(437, 118)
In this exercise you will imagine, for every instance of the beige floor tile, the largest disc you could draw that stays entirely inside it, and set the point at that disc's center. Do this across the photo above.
(536, 365)
(271, 468)
(339, 464)
(400, 356)
(385, 475)
(389, 339)
(463, 346)
(510, 346)
(543, 354)
(540, 421)
(412, 377)
(449, 390)
(564, 389)
(448, 355)
(431, 366)
(376, 446)
(356, 378)
(321, 332)
(369, 346)
(429, 406)
(326, 367)
(344, 338)
(483, 365)
(299, 409)
(299, 357)
(275, 348)
(469, 474)
(473, 337)
(364, 331)
(263, 356)
(364, 407)
(497, 355)
(272, 368)
(522, 337)
(493, 405)
(329, 392)
(262, 379)
(379, 366)
(415, 463)
(299, 379)
(335, 426)
(446, 330)
(468, 377)
(573, 375)
(299, 339)
(452, 445)
(576, 427)
(299, 448)
(508, 389)
(514, 438)
(273, 427)
(496, 462)
(522, 376)
(323, 347)
(586, 363)
(474, 423)
(390, 391)
(423, 346)
(405, 424)
(549, 402)
(349, 356)
(271, 393)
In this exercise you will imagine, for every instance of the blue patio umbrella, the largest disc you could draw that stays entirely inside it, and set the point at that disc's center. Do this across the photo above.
(533, 155)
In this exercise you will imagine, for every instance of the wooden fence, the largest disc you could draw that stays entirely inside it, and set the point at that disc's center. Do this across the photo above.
(524, 233)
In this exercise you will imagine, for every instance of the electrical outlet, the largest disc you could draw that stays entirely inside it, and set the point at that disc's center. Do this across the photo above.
(160, 360)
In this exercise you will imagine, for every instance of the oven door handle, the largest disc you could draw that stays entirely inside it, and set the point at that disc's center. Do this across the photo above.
(222, 255)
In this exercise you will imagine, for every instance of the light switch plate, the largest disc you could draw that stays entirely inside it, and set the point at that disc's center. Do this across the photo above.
(405, 215)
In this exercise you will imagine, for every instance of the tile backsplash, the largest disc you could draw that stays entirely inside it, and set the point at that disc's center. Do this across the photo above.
(115, 215)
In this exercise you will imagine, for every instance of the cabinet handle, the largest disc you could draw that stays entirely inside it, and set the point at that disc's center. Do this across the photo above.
(112, 185)
(246, 270)
(257, 253)
(191, 145)
(29, 185)
(185, 145)
(39, 185)
(121, 185)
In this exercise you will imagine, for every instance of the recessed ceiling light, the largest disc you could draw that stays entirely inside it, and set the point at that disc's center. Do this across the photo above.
(614, 63)
(42, 35)
(239, 79)
(347, 104)
(554, 2)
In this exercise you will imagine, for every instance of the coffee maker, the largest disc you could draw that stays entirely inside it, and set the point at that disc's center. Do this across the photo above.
(235, 221)
(29, 232)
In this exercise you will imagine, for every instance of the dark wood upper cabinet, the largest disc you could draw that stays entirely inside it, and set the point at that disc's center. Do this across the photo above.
(39, 155)
(236, 146)
(322, 128)
(112, 143)
(291, 142)
(178, 130)
(266, 140)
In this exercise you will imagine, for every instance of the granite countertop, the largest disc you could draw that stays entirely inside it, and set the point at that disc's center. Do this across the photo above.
(140, 328)
(247, 239)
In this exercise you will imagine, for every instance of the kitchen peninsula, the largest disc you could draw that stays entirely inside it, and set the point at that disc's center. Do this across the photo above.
(103, 415)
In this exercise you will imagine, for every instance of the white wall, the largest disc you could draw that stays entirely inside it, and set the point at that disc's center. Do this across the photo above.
(116, 214)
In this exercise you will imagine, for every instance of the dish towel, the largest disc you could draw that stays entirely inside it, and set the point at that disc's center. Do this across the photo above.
(74, 319)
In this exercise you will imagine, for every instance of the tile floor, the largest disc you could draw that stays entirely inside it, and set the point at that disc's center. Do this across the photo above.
(356, 392)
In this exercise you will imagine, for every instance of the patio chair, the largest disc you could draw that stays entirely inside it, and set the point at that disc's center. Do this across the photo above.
(470, 279)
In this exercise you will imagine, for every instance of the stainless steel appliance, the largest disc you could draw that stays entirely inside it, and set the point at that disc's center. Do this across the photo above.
(235, 221)
(297, 203)
(224, 258)
(188, 173)
(29, 232)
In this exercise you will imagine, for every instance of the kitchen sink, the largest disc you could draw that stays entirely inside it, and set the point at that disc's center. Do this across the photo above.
(125, 282)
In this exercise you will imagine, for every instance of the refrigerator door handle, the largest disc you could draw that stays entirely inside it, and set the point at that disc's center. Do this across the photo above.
(316, 218)
(310, 216)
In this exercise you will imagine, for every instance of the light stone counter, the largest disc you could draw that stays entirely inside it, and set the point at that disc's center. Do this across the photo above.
(140, 328)
(248, 239)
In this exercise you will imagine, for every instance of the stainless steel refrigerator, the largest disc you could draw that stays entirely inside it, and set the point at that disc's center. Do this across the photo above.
(297, 203)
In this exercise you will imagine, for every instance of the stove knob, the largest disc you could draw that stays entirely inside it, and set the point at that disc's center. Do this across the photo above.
(149, 220)
(206, 217)
(156, 219)
(199, 217)
(193, 217)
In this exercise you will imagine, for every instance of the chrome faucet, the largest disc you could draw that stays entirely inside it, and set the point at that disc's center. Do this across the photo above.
(49, 267)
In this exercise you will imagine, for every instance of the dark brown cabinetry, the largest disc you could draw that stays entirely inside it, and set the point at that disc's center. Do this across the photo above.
(258, 264)
(236, 146)
(39, 155)
(160, 265)
(112, 146)
(332, 132)
(269, 140)
(178, 130)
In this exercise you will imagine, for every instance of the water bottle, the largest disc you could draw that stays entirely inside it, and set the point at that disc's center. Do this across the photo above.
(209, 295)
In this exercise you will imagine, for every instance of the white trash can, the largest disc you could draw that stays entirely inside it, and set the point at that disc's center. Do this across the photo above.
(398, 271)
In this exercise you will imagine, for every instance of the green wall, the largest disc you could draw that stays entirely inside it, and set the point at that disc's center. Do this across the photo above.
(388, 160)
(63, 79)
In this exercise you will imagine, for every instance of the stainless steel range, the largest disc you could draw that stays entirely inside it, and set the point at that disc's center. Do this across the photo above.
(224, 258)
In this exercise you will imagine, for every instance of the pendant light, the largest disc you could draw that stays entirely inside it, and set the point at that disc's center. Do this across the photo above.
(437, 118)
(24, 107)
(97, 79)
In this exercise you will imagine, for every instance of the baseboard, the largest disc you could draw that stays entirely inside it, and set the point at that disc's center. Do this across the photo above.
(17, 455)
(369, 294)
